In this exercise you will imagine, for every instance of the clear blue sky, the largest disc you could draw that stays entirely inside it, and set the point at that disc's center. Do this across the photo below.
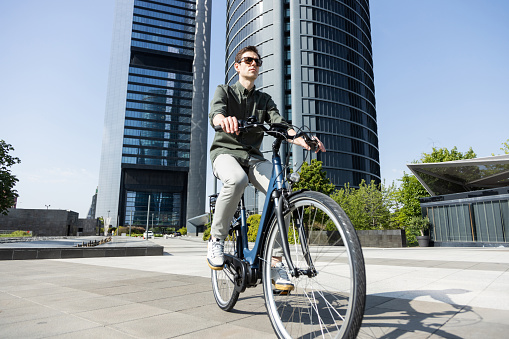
(441, 77)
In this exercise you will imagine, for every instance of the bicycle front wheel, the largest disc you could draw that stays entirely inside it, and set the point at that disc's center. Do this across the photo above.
(328, 303)
(223, 281)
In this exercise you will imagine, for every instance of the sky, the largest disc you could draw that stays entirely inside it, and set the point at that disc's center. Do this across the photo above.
(441, 80)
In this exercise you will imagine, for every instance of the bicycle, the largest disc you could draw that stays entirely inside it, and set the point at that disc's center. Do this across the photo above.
(320, 248)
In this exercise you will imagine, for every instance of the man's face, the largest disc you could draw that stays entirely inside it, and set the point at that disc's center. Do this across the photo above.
(245, 70)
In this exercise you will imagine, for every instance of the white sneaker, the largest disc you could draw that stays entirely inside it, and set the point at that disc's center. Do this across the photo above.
(215, 257)
(280, 278)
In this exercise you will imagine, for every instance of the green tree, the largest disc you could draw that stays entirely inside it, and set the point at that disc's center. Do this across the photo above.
(408, 196)
(8, 194)
(443, 154)
(505, 147)
(368, 207)
(313, 178)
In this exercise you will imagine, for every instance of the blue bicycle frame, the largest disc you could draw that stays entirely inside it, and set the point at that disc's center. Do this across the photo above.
(274, 204)
(276, 183)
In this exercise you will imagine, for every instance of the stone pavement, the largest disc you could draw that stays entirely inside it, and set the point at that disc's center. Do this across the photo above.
(412, 293)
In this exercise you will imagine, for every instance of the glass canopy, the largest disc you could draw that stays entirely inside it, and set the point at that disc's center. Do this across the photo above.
(463, 175)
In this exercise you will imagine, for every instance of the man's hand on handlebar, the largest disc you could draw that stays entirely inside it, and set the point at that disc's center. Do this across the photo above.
(232, 125)
(301, 142)
(228, 124)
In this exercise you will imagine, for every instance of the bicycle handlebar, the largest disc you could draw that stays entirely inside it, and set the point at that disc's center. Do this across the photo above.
(276, 130)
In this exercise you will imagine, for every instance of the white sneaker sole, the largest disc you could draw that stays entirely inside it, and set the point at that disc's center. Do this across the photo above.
(214, 267)
(287, 287)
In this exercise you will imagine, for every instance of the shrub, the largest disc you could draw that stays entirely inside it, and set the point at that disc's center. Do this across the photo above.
(137, 230)
(254, 222)
(183, 231)
(206, 233)
(16, 234)
(415, 226)
(369, 206)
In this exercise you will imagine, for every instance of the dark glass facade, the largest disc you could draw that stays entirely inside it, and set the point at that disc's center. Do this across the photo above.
(318, 65)
(156, 113)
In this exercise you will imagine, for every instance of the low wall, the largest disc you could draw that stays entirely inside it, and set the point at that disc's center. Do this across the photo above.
(82, 252)
(43, 222)
(368, 238)
(382, 238)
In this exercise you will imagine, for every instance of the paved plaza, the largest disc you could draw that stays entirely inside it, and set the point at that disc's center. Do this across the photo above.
(412, 293)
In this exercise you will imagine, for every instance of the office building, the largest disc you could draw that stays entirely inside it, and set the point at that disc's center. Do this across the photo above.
(153, 162)
(318, 68)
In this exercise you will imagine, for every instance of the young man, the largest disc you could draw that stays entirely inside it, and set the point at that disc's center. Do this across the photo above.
(236, 158)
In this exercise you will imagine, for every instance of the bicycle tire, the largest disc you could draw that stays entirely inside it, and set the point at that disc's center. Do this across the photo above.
(223, 281)
(332, 302)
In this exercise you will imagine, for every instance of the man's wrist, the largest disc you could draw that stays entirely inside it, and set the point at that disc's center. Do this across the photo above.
(216, 120)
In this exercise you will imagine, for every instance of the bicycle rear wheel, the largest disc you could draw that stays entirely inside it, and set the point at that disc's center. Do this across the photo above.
(223, 281)
(330, 304)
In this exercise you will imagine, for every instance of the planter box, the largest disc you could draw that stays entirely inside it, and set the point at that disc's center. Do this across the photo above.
(423, 240)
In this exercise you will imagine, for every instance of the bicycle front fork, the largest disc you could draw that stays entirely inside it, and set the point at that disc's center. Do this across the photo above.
(283, 231)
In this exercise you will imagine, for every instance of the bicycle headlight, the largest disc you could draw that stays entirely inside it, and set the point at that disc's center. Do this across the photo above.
(294, 177)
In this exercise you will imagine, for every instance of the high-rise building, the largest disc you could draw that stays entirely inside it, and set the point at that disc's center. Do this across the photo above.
(93, 205)
(153, 162)
(318, 68)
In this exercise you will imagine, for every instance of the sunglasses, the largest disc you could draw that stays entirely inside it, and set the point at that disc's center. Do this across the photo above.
(249, 61)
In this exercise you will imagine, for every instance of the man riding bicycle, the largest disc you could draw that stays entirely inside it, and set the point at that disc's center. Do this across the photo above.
(236, 157)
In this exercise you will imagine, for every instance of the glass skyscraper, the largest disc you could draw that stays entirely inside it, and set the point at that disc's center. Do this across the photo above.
(318, 68)
(155, 130)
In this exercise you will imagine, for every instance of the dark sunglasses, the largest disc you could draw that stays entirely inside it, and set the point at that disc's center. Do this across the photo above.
(249, 61)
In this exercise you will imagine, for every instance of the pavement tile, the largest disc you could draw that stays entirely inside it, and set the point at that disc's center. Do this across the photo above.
(24, 312)
(257, 322)
(102, 332)
(45, 327)
(122, 289)
(121, 313)
(374, 300)
(472, 331)
(416, 306)
(79, 305)
(213, 312)
(22, 285)
(28, 291)
(183, 302)
(50, 299)
(228, 331)
(407, 321)
(388, 332)
(473, 315)
(166, 325)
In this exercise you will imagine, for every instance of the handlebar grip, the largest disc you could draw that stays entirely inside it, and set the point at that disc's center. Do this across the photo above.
(241, 123)
(313, 144)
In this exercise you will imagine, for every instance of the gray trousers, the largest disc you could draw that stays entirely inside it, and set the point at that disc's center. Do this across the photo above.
(235, 180)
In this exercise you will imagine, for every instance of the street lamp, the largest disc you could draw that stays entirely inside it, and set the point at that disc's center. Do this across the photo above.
(47, 206)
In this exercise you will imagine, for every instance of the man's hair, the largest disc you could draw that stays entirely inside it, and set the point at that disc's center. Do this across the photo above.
(244, 50)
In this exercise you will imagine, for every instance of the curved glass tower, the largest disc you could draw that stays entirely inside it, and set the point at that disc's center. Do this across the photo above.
(318, 67)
